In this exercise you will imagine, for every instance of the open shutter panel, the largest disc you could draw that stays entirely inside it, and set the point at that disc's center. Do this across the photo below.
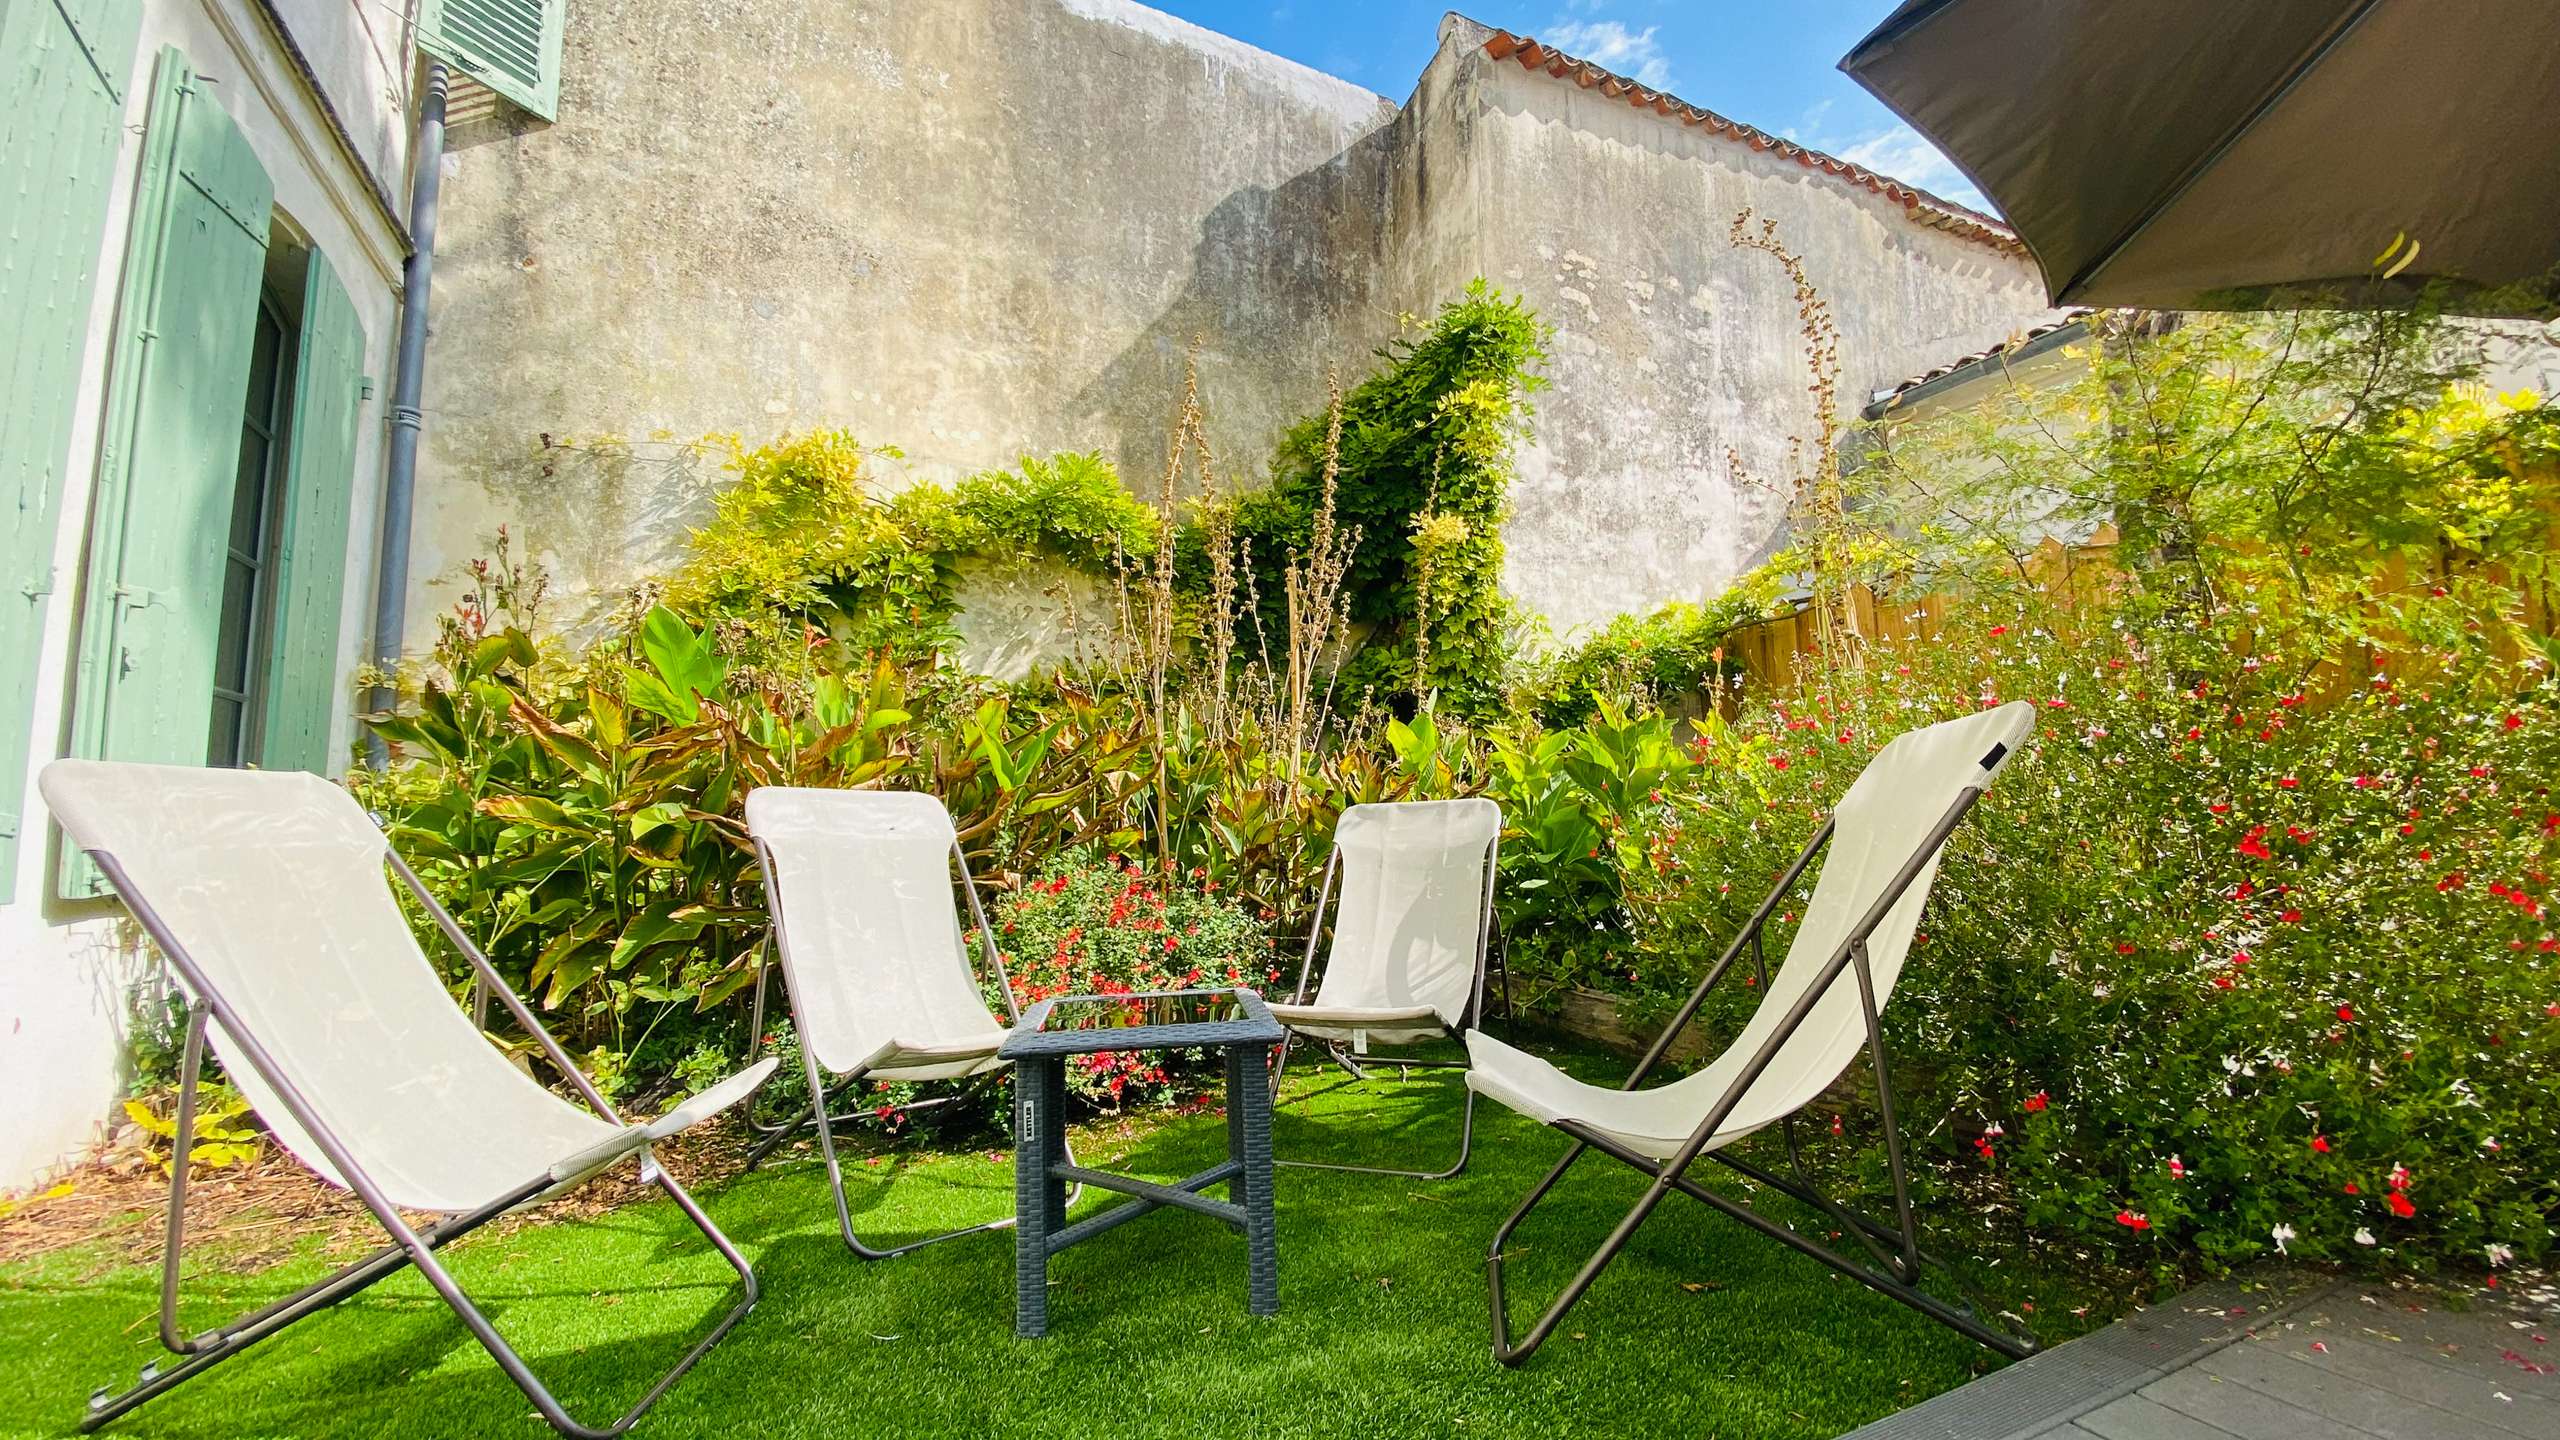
(151, 607)
(62, 92)
(328, 403)
(511, 46)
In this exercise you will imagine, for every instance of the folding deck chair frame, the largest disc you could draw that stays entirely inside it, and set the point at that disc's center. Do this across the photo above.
(1357, 1065)
(409, 1245)
(1894, 1249)
(824, 1096)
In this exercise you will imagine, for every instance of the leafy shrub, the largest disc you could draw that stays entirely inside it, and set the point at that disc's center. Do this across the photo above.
(1641, 661)
(2219, 955)
(808, 537)
(223, 1132)
(1582, 809)
(1091, 924)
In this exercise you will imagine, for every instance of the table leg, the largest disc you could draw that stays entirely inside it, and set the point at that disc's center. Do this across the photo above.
(1249, 1141)
(1037, 1087)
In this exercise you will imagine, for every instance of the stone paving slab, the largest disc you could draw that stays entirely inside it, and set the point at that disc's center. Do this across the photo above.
(2282, 1356)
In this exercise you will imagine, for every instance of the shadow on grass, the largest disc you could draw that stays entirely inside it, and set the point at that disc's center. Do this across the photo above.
(1701, 1326)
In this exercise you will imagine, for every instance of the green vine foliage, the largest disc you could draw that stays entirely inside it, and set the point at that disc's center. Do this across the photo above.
(1425, 471)
(806, 539)
(1640, 661)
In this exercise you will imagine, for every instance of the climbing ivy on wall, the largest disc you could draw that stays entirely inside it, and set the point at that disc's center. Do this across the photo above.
(804, 537)
(1425, 471)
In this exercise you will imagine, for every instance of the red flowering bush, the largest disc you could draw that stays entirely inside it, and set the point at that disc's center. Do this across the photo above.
(2243, 955)
(1093, 924)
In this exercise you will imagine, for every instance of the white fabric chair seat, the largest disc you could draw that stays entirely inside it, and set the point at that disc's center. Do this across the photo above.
(575, 1169)
(1887, 814)
(1386, 1025)
(1409, 923)
(1654, 1123)
(273, 883)
(870, 944)
(950, 1059)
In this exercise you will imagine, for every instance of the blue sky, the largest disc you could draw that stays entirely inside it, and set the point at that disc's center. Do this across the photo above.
(1770, 63)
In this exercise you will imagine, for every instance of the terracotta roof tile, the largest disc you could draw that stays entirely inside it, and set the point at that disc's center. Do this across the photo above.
(2012, 346)
(1933, 211)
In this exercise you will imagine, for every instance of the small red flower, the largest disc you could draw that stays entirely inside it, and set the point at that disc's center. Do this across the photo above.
(2347, 1013)
(2400, 1205)
(2038, 1101)
(2288, 783)
(2254, 844)
(2133, 1220)
(2513, 721)
(2320, 1144)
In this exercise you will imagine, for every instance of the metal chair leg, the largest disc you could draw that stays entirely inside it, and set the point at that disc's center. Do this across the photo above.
(420, 1248)
(1666, 1180)
(844, 1210)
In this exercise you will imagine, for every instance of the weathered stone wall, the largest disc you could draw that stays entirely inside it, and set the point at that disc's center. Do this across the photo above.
(967, 228)
(973, 228)
(1674, 353)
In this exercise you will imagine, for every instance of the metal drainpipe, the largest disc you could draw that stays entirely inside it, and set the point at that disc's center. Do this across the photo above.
(400, 474)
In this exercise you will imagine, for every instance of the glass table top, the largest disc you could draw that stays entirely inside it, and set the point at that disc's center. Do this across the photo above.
(1171, 1019)
(1129, 1012)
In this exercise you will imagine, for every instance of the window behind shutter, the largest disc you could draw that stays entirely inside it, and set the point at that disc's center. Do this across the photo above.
(152, 598)
(511, 46)
(63, 69)
(303, 700)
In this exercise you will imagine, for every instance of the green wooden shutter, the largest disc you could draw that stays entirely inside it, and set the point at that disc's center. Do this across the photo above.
(511, 46)
(63, 70)
(311, 556)
(151, 601)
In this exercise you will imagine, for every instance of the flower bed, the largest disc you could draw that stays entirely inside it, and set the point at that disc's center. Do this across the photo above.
(1097, 924)
(2217, 964)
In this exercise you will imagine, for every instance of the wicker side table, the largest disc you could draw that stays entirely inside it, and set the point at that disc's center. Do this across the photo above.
(1231, 1021)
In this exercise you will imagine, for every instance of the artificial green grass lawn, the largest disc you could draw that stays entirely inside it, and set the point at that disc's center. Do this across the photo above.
(1701, 1328)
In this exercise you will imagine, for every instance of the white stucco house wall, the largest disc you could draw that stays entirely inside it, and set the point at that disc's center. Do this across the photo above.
(220, 177)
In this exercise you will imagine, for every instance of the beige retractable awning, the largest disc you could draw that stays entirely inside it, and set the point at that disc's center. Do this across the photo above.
(2201, 154)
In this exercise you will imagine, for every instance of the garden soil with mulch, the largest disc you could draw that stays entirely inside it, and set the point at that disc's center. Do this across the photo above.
(265, 1211)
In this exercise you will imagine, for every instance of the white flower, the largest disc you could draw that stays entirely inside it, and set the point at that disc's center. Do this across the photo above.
(2500, 1254)
(2363, 1236)
(2282, 1233)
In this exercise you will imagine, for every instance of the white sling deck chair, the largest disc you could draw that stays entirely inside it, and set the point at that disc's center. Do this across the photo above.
(1885, 839)
(265, 891)
(859, 883)
(1412, 921)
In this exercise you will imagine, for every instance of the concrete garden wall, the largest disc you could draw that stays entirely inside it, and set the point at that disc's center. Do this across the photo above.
(972, 228)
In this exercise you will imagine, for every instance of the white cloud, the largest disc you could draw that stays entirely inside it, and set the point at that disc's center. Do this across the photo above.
(1901, 153)
(1809, 125)
(1612, 46)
